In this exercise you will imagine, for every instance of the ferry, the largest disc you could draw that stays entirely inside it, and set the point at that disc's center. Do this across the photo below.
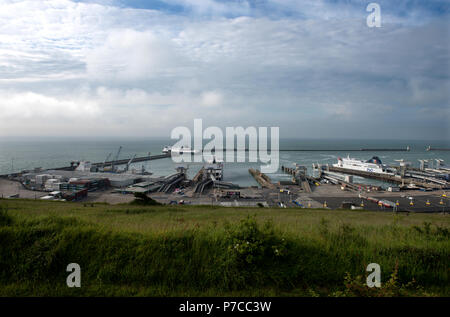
(178, 150)
(373, 165)
(214, 168)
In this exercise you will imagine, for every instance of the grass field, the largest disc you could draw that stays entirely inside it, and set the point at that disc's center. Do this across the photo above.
(133, 250)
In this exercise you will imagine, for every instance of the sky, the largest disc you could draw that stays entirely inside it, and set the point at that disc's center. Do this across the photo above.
(141, 68)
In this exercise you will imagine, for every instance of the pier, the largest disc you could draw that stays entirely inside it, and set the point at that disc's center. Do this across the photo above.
(73, 164)
(135, 160)
(300, 177)
(261, 178)
(437, 149)
(407, 149)
(384, 177)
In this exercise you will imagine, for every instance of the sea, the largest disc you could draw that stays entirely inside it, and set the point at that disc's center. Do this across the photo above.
(18, 154)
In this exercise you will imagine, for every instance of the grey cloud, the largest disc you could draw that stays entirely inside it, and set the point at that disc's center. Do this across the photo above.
(150, 72)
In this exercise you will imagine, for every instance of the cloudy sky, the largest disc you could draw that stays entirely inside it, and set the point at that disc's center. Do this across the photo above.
(314, 68)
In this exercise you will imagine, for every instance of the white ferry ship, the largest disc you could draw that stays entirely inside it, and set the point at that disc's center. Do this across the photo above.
(373, 165)
(178, 150)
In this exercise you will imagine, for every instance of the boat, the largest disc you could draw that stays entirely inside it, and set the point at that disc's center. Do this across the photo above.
(214, 169)
(179, 150)
(374, 165)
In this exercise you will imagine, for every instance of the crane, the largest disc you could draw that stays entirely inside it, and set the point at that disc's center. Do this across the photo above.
(106, 159)
(116, 158)
(129, 162)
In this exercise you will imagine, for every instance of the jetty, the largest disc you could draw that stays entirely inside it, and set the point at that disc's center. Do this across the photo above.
(262, 179)
(301, 177)
(429, 148)
(134, 160)
(74, 164)
(396, 179)
(407, 149)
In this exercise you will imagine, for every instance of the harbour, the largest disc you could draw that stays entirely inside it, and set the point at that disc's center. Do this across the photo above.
(311, 181)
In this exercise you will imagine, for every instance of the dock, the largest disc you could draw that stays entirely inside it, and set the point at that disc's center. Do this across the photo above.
(135, 160)
(295, 173)
(437, 149)
(407, 149)
(300, 177)
(261, 178)
(384, 177)
(73, 165)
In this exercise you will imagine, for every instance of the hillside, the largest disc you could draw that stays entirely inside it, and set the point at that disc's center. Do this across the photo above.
(133, 250)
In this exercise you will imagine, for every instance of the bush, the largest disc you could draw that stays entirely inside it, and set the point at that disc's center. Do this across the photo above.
(358, 287)
(5, 219)
(143, 199)
(251, 245)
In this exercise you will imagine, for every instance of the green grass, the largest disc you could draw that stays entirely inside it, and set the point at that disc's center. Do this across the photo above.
(135, 250)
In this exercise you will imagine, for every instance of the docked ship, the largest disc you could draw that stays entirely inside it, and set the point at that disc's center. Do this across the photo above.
(374, 165)
(178, 150)
(214, 169)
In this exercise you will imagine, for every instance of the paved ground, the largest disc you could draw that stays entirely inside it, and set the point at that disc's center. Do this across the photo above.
(109, 197)
(9, 188)
(419, 203)
(333, 195)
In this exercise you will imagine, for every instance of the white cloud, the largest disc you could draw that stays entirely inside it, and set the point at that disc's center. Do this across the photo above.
(131, 70)
(211, 98)
(34, 106)
(132, 55)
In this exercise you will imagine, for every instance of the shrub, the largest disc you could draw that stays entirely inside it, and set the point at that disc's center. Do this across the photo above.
(143, 199)
(5, 218)
(357, 287)
(251, 245)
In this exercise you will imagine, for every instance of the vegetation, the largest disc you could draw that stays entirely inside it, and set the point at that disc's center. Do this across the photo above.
(5, 219)
(143, 199)
(139, 250)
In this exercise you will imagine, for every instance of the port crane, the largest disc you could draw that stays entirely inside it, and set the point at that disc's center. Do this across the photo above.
(116, 158)
(129, 162)
(106, 159)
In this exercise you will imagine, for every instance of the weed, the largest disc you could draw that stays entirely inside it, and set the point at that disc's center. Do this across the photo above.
(356, 286)
(251, 245)
(323, 227)
(5, 218)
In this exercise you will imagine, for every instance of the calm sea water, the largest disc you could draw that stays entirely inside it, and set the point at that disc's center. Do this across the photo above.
(20, 154)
